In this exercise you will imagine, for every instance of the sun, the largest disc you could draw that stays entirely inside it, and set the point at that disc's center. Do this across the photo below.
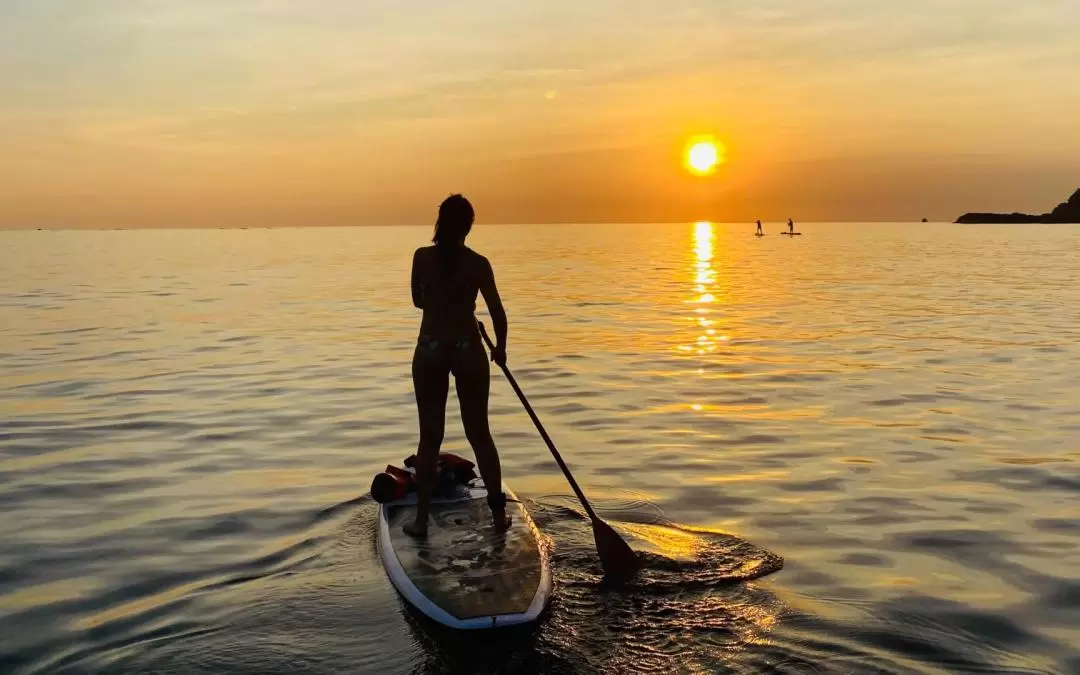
(703, 155)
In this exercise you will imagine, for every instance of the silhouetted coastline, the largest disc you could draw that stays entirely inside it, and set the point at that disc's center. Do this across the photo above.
(1066, 212)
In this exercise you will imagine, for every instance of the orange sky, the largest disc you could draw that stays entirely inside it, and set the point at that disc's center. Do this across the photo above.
(285, 112)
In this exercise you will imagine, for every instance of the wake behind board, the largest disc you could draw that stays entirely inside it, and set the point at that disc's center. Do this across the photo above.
(464, 574)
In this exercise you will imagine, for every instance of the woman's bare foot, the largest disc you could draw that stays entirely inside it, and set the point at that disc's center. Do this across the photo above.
(497, 503)
(501, 521)
(415, 529)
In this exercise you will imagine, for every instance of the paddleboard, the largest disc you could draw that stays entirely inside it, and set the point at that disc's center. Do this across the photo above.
(465, 574)
(758, 234)
(792, 234)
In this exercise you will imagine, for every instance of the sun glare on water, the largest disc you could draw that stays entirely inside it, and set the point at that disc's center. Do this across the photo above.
(703, 156)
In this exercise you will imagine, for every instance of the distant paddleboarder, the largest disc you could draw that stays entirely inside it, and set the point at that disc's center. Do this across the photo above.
(446, 279)
(790, 226)
(759, 231)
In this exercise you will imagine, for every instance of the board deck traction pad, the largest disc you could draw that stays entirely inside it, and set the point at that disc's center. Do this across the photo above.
(465, 574)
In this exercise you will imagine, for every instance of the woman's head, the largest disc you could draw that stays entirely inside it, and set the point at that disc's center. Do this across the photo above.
(455, 220)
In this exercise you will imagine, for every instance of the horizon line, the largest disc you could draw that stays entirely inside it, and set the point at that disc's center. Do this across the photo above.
(748, 223)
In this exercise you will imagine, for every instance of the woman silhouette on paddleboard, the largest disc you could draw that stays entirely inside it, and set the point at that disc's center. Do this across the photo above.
(446, 278)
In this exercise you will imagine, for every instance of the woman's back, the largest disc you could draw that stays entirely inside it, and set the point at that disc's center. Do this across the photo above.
(445, 286)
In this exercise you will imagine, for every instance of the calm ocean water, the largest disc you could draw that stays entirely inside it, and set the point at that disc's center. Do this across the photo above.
(189, 421)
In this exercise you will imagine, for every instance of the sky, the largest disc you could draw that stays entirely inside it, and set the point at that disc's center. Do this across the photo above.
(150, 113)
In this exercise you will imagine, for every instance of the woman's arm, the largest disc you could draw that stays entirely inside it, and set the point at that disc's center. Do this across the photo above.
(417, 284)
(495, 308)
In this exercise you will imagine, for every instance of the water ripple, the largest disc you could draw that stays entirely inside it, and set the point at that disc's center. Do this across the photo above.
(188, 420)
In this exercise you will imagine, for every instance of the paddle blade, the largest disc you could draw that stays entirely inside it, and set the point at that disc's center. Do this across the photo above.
(619, 561)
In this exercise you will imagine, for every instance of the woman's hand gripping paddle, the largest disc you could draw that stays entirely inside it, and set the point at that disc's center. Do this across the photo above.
(619, 561)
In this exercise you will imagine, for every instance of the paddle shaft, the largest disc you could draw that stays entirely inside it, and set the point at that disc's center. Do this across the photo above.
(543, 432)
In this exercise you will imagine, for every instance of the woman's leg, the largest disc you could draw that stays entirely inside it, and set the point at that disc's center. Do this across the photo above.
(431, 382)
(472, 377)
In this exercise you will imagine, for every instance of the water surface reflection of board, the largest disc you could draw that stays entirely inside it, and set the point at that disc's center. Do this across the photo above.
(465, 574)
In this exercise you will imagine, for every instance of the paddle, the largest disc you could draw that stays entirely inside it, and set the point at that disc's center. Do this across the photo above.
(619, 561)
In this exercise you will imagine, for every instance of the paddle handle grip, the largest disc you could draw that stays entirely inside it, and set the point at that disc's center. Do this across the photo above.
(540, 428)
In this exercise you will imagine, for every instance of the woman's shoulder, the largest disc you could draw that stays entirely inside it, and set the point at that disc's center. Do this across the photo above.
(475, 255)
(477, 260)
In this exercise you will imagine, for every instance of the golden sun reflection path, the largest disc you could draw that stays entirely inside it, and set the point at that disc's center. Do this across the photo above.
(706, 293)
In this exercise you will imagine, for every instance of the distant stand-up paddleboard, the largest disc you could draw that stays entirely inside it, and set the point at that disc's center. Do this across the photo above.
(465, 574)
(759, 234)
(792, 234)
